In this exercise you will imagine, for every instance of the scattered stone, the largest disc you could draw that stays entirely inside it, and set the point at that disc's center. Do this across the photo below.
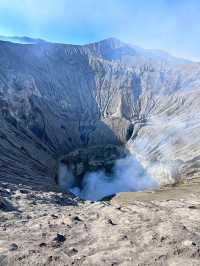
(23, 191)
(72, 251)
(50, 258)
(42, 245)
(192, 207)
(111, 222)
(59, 238)
(13, 247)
(33, 202)
(162, 238)
(54, 216)
(189, 243)
(125, 237)
(76, 219)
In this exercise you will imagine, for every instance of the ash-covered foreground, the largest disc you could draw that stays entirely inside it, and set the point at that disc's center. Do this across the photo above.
(50, 228)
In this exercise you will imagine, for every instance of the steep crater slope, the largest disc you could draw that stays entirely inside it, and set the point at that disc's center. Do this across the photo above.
(56, 99)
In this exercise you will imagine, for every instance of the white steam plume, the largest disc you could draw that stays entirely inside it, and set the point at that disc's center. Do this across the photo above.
(128, 175)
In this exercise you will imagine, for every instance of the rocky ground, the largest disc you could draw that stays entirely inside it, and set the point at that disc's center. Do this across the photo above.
(143, 228)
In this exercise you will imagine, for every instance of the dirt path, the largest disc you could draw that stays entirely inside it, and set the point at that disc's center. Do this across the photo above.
(160, 228)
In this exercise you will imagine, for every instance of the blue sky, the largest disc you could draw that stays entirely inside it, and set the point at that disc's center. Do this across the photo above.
(170, 25)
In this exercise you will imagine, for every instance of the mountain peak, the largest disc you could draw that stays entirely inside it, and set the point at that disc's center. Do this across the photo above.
(111, 42)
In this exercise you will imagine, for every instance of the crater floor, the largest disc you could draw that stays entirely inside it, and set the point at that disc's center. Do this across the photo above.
(143, 228)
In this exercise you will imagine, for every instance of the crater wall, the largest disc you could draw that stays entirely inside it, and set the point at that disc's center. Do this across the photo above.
(58, 98)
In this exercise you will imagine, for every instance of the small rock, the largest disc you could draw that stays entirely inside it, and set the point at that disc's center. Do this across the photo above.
(54, 216)
(76, 219)
(72, 251)
(23, 191)
(192, 207)
(42, 245)
(125, 237)
(111, 222)
(50, 258)
(13, 247)
(59, 238)
(162, 238)
(189, 243)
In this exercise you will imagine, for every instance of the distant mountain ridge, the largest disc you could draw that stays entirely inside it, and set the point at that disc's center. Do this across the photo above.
(111, 49)
(22, 40)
